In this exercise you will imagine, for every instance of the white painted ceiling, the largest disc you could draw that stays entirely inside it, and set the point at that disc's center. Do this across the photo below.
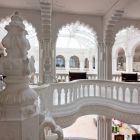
(92, 7)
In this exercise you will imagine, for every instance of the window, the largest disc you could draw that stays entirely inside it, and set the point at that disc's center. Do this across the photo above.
(60, 61)
(74, 62)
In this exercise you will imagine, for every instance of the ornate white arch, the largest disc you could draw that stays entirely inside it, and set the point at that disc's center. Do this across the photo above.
(83, 34)
(84, 43)
(128, 39)
(32, 37)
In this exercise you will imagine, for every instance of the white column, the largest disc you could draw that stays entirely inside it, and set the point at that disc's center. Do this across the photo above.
(129, 63)
(82, 64)
(101, 62)
(100, 125)
(108, 61)
(46, 16)
(67, 64)
(114, 65)
(104, 128)
(41, 67)
(108, 128)
(91, 64)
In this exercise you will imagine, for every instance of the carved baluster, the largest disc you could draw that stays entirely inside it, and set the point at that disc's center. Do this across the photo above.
(99, 89)
(105, 85)
(123, 92)
(88, 90)
(117, 92)
(79, 90)
(59, 96)
(94, 89)
(71, 98)
(131, 94)
(111, 91)
(83, 90)
(66, 96)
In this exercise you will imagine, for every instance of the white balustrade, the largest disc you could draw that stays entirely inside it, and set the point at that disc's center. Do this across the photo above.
(116, 77)
(58, 96)
(64, 77)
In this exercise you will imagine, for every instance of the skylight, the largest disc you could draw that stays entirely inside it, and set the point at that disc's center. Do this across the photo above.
(76, 36)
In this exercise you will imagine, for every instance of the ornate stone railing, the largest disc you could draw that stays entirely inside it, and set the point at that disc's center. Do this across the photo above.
(117, 77)
(110, 98)
(64, 77)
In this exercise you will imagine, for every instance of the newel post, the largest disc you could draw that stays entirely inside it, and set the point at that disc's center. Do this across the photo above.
(19, 113)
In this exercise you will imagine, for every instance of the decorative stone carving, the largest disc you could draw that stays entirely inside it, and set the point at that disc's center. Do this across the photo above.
(16, 65)
(15, 41)
(49, 122)
(32, 68)
(18, 102)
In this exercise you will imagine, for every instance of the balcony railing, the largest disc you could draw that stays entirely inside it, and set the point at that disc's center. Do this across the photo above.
(62, 99)
(64, 77)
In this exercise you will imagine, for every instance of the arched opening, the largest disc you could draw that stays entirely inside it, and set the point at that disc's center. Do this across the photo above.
(74, 62)
(60, 61)
(126, 59)
(77, 43)
(33, 53)
(121, 60)
(77, 130)
(136, 59)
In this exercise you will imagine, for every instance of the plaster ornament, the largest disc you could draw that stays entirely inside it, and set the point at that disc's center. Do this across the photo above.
(48, 122)
(16, 67)
(15, 41)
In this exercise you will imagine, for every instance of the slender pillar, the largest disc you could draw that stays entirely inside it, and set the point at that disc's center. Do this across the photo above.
(100, 125)
(47, 57)
(114, 65)
(108, 61)
(67, 65)
(81, 64)
(108, 125)
(101, 62)
(129, 64)
(41, 69)
(91, 64)
(104, 128)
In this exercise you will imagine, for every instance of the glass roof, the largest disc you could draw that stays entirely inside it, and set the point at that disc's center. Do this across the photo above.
(76, 36)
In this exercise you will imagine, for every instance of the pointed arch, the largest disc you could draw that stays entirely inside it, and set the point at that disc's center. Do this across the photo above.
(77, 39)
(83, 34)
(128, 39)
